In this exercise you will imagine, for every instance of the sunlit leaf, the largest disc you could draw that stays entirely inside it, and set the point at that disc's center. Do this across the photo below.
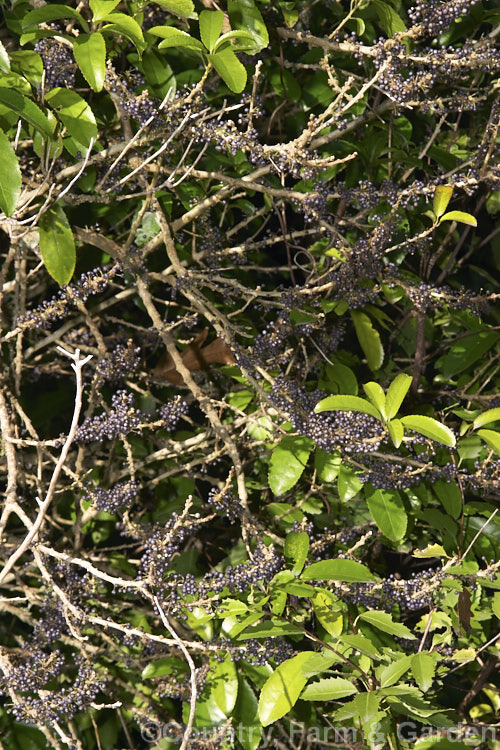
(442, 196)
(430, 427)
(90, 54)
(349, 571)
(369, 339)
(287, 463)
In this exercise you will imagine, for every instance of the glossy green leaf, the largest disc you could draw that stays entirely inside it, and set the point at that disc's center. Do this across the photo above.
(327, 465)
(348, 483)
(430, 427)
(210, 27)
(269, 629)
(57, 244)
(396, 393)
(491, 438)
(232, 72)
(466, 352)
(327, 611)
(348, 571)
(90, 55)
(244, 15)
(376, 394)
(296, 549)
(10, 176)
(101, 8)
(396, 431)
(341, 378)
(450, 496)
(369, 339)
(383, 621)
(51, 12)
(172, 37)
(361, 644)
(283, 688)
(4, 60)
(287, 463)
(123, 24)
(388, 18)
(491, 415)
(223, 684)
(235, 40)
(388, 512)
(76, 116)
(182, 8)
(460, 216)
(423, 667)
(246, 714)
(442, 196)
(160, 667)
(347, 403)
(388, 674)
(328, 689)
(26, 109)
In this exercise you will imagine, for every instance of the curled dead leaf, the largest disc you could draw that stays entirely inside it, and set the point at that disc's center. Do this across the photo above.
(195, 357)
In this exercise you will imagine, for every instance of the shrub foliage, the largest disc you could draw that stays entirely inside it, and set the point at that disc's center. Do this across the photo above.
(249, 395)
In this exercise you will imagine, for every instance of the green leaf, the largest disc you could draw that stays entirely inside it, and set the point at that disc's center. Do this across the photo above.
(388, 512)
(26, 109)
(442, 196)
(50, 12)
(57, 244)
(430, 427)
(396, 431)
(160, 667)
(376, 394)
(223, 683)
(232, 72)
(460, 216)
(4, 60)
(76, 116)
(491, 438)
(245, 15)
(210, 27)
(283, 688)
(347, 403)
(369, 339)
(465, 353)
(492, 415)
(388, 674)
(423, 666)
(328, 689)
(101, 8)
(450, 495)
(175, 38)
(348, 483)
(288, 461)
(388, 18)
(296, 549)
(361, 644)
(246, 714)
(182, 8)
(432, 550)
(242, 41)
(10, 177)
(383, 621)
(396, 393)
(327, 465)
(123, 24)
(90, 54)
(327, 612)
(342, 378)
(348, 571)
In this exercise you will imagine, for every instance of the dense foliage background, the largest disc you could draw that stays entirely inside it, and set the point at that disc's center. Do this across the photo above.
(214, 218)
